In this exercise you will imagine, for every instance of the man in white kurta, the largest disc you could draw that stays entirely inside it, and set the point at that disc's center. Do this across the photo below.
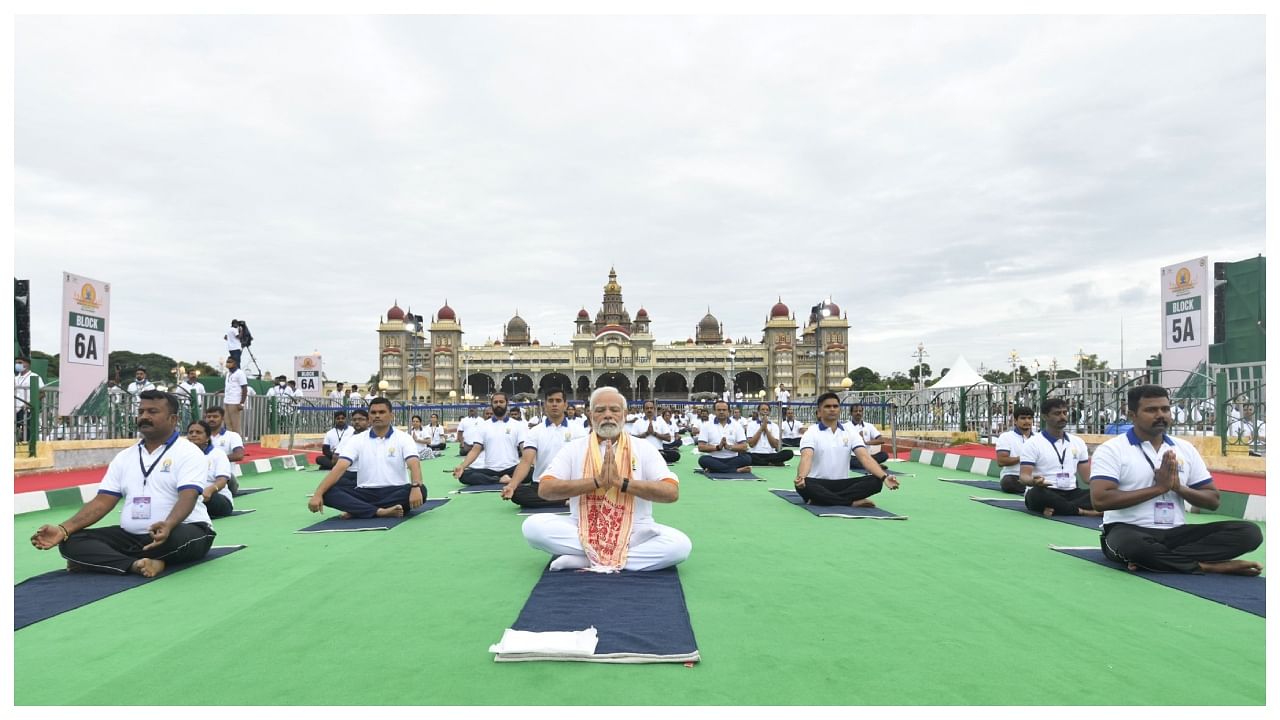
(611, 483)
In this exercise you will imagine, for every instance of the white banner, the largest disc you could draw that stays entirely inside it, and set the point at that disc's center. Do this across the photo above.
(86, 305)
(1184, 305)
(308, 372)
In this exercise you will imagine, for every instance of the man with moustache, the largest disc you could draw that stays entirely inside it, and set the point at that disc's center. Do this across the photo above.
(1140, 481)
(499, 438)
(1051, 462)
(611, 483)
(723, 443)
(160, 480)
(764, 441)
(332, 439)
(656, 432)
(228, 441)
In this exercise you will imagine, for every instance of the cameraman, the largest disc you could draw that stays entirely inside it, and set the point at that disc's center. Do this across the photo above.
(233, 340)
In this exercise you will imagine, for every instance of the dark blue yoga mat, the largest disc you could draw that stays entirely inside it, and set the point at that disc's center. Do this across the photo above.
(1242, 592)
(984, 484)
(334, 524)
(1089, 523)
(234, 513)
(53, 593)
(249, 491)
(842, 511)
(492, 487)
(544, 511)
(637, 615)
(729, 475)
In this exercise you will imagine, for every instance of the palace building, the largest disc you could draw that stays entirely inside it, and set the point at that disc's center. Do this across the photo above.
(430, 362)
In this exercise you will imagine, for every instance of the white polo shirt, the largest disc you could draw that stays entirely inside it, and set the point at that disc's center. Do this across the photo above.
(580, 421)
(501, 440)
(188, 388)
(219, 466)
(22, 390)
(1010, 442)
(1055, 461)
(1130, 463)
(336, 397)
(335, 437)
(233, 392)
(547, 440)
(790, 429)
(867, 430)
(178, 465)
(233, 339)
(831, 449)
(436, 434)
(227, 441)
(641, 426)
(137, 388)
(784, 396)
(712, 432)
(762, 445)
(382, 458)
(646, 464)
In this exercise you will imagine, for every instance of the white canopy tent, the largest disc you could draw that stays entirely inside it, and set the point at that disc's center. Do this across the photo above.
(961, 375)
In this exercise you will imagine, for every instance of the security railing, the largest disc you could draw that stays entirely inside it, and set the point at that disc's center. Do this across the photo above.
(1228, 401)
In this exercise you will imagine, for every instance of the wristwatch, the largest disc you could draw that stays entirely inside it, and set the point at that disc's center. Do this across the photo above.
(625, 482)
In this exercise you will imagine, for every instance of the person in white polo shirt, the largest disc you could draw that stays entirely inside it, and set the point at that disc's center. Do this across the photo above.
(191, 386)
(438, 440)
(216, 496)
(611, 483)
(823, 475)
(234, 393)
(160, 480)
(499, 438)
(792, 430)
(1140, 481)
(655, 431)
(464, 427)
(541, 444)
(1051, 462)
(336, 395)
(381, 490)
(1009, 450)
(226, 440)
(340, 431)
(765, 441)
(673, 426)
(232, 336)
(870, 436)
(723, 443)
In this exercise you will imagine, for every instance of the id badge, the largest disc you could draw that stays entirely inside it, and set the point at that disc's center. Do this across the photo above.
(1164, 513)
(1063, 481)
(141, 507)
(566, 436)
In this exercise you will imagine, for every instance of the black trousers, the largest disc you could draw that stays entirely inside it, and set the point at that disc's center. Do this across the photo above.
(880, 457)
(1179, 549)
(1012, 485)
(774, 458)
(218, 506)
(818, 491)
(526, 495)
(235, 354)
(671, 455)
(114, 551)
(479, 476)
(364, 502)
(723, 465)
(1063, 502)
(437, 448)
(790, 442)
(326, 462)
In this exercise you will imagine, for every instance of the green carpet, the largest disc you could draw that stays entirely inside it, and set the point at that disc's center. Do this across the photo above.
(962, 604)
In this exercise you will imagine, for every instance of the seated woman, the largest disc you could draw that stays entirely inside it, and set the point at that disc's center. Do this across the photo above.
(216, 495)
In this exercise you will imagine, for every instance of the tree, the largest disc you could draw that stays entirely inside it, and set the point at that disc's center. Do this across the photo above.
(864, 378)
(121, 365)
(898, 381)
(53, 361)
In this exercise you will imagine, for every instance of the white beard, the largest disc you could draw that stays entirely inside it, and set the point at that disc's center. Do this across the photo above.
(608, 431)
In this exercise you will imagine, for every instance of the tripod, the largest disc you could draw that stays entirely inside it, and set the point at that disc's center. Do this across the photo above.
(254, 360)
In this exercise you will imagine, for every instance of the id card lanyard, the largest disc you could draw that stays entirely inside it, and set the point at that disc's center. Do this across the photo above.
(146, 471)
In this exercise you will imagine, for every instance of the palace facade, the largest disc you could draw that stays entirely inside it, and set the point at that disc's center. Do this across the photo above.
(433, 364)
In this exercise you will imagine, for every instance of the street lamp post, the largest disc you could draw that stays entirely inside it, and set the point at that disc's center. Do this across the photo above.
(511, 358)
(1013, 364)
(732, 373)
(921, 354)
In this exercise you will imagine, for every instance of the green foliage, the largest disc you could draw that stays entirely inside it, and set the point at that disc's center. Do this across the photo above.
(53, 360)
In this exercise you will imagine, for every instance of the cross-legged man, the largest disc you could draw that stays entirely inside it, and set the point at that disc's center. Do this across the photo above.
(823, 475)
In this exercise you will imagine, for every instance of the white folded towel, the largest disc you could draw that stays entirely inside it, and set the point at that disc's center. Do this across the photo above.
(575, 643)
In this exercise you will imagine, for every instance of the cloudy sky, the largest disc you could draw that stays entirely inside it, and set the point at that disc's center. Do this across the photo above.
(978, 184)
